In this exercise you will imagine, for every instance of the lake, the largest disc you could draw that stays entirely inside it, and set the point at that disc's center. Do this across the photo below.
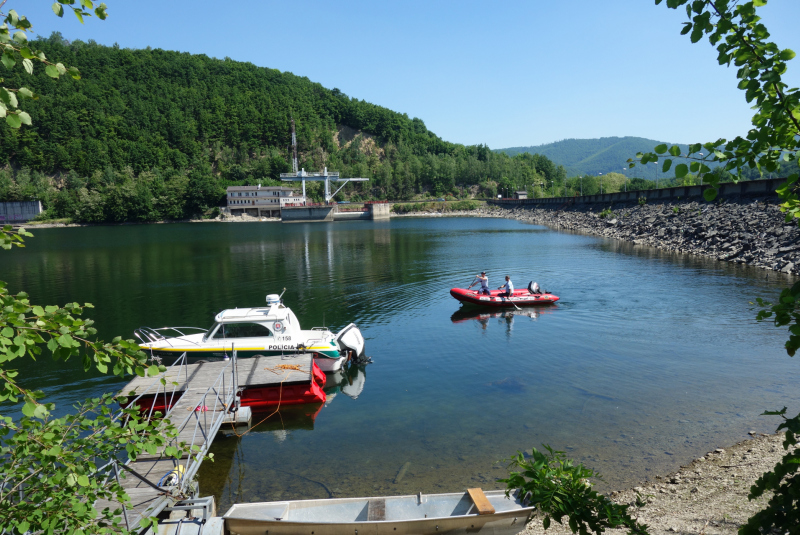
(649, 360)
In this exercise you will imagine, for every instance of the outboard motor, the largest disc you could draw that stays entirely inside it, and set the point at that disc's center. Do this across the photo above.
(351, 339)
(273, 299)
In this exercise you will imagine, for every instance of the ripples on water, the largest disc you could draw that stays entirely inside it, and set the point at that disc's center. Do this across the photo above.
(649, 360)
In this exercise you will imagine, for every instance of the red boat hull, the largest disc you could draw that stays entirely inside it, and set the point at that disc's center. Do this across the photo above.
(519, 298)
(259, 397)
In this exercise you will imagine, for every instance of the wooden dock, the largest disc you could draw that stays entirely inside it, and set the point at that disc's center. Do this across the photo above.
(203, 399)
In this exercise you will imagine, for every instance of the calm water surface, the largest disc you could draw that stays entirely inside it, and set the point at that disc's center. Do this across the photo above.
(649, 360)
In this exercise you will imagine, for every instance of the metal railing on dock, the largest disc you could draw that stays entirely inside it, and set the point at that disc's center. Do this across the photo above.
(157, 481)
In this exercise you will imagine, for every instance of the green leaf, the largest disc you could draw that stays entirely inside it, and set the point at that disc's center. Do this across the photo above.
(40, 412)
(29, 409)
(786, 54)
(675, 150)
(710, 194)
(681, 170)
(8, 97)
(666, 166)
(25, 118)
(58, 10)
(23, 527)
(83, 481)
(27, 93)
(152, 371)
(65, 340)
(51, 71)
(13, 121)
(8, 60)
(28, 65)
(661, 149)
(697, 34)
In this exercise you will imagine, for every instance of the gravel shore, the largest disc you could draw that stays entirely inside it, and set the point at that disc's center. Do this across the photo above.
(707, 496)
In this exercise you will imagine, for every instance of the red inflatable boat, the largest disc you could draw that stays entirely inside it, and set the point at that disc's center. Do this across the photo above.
(522, 297)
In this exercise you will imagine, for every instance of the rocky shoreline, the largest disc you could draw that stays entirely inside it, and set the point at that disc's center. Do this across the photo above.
(745, 231)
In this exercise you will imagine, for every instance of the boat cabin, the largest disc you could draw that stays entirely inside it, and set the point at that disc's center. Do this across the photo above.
(260, 322)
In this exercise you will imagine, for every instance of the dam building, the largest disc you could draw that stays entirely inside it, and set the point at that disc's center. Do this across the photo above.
(260, 201)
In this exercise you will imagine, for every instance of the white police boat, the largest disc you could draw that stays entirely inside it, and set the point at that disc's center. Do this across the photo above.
(270, 330)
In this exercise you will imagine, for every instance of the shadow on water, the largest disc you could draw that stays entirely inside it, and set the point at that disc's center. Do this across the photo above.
(649, 359)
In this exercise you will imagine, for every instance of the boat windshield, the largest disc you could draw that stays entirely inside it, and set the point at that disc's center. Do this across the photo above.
(242, 330)
(209, 331)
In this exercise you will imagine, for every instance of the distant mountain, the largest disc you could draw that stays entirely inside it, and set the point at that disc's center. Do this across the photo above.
(604, 155)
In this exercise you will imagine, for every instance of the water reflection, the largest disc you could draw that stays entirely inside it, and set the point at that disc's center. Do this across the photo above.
(349, 381)
(505, 317)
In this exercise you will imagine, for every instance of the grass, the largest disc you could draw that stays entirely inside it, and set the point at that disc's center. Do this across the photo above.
(61, 221)
(438, 206)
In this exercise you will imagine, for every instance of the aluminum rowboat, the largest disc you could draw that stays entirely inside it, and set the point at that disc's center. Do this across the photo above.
(421, 514)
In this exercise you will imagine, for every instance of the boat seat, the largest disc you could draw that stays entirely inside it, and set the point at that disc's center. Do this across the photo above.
(481, 502)
(376, 509)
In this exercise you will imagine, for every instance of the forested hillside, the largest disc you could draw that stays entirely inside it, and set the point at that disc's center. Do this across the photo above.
(154, 134)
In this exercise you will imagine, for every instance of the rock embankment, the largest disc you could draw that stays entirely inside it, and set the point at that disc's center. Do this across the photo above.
(748, 231)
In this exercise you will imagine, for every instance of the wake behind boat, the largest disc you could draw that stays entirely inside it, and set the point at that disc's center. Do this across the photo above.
(523, 297)
(270, 330)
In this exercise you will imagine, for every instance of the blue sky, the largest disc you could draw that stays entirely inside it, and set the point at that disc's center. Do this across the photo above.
(501, 73)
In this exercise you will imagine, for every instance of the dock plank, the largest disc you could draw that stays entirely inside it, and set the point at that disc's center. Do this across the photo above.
(151, 469)
(142, 502)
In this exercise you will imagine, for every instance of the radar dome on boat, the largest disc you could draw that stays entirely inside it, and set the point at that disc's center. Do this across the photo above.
(273, 299)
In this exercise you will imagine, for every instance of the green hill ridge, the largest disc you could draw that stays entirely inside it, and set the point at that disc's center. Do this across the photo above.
(603, 155)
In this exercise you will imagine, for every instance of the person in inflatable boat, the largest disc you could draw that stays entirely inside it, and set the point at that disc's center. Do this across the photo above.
(508, 287)
(484, 280)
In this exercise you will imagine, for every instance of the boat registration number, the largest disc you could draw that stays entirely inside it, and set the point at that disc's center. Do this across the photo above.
(283, 338)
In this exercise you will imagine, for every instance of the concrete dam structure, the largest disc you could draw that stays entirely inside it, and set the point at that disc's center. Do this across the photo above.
(312, 214)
